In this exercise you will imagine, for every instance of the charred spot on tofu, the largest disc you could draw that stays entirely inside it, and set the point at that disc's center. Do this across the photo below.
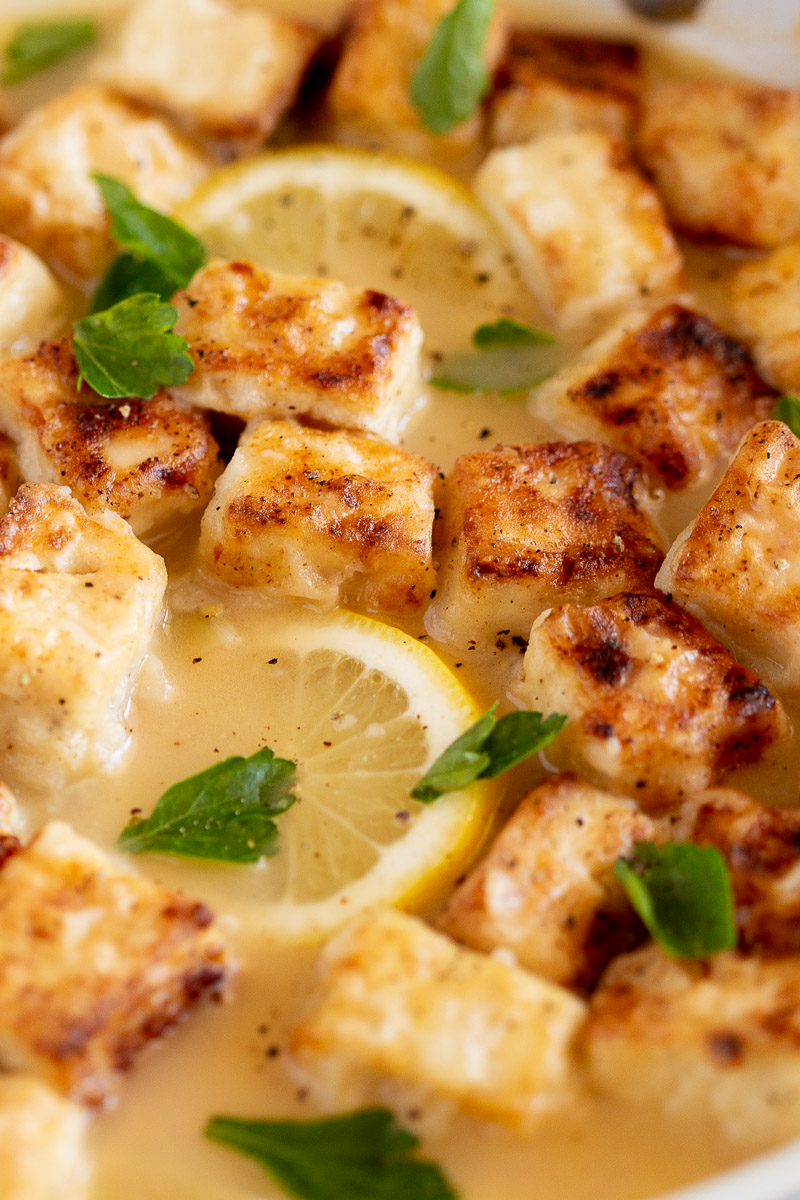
(546, 889)
(402, 1000)
(324, 515)
(588, 232)
(764, 298)
(712, 1040)
(737, 566)
(151, 461)
(726, 157)
(95, 963)
(47, 196)
(43, 1151)
(79, 599)
(32, 302)
(658, 707)
(671, 389)
(270, 345)
(532, 526)
(222, 70)
(547, 84)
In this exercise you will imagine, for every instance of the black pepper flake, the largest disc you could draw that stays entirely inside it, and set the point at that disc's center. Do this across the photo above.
(196, 660)
(271, 662)
(484, 433)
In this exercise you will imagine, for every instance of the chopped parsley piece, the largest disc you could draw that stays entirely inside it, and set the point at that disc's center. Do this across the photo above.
(38, 45)
(511, 357)
(128, 350)
(451, 78)
(787, 410)
(507, 332)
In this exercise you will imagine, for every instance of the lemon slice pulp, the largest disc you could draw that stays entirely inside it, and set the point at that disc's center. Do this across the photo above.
(370, 220)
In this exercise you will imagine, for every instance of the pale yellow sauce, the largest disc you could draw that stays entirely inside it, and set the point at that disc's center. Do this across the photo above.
(231, 1058)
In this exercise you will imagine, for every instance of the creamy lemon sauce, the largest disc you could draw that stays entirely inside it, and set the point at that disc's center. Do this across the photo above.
(205, 693)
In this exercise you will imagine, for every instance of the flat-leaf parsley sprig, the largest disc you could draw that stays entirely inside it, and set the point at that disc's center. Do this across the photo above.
(787, 409)
(451, 78)
(129, 350)
(508, 357)
(37, 45)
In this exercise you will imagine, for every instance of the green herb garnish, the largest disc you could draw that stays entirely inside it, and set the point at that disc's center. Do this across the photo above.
(488, 748)
(451, 78)
(683, 894)
(787, 409)
(508, 332)
(511, 357)
(41, 44)
(364, 1155)
(128, 350)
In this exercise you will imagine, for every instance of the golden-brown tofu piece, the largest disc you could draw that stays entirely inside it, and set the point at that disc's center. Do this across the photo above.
(223, 70)
(95, 963)
(79, 598)
(546, 890)
(369, 100)
(43, 1152)
(725, 156)
(549, 84)
(737, 566)
(47, 197)
(589, 234)
(32, 302)
(528, 527)
(9, 472)
(668, 388)
(404, 1001)
(716, 1041)
(764, 298)
(325, 515)
(270, 345)
(658, 709)
(152, 461)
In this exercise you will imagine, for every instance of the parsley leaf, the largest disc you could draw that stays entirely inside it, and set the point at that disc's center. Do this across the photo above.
(488, 748)
(128, 350)
(507, 332)
(451, 77)
(511, 357)
(41, 44)
(683, 894)
(223, 814)
(787, 409)
(129, 276)
(360, 1156)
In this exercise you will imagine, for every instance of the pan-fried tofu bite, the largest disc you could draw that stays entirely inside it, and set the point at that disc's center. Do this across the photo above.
(764, 298)
(49, 201)
(547, 891)
(737, 566)
(588, 232)
(369, 100)
(79, 598)
(152, 461)
(715, 1041)
(726, 157)
(402, 1000)
(270, 345)
(224, 70)
(658, 708)
(548, 84)
(532, 526)
(43, 1154)
(669, 388)
(9, 472)
(31, 300)
(325, 515)
(95, 963)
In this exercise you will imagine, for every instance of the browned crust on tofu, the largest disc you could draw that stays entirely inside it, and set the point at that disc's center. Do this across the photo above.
(610, 68)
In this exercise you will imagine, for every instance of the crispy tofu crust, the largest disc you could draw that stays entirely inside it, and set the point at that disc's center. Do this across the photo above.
(764, 298)
(403, 1000)
(715, 1041)
(43, 1153)
(151, 461)
(527, 527)
(588, 232)
(737, 566)
(324, 515)
(49, 201)
(79, 598)
(726, 157)
(221, 70)
(95, 963)
(270, 345)
(549, 84)
(546, 889)
(658, 707)
(669, 388)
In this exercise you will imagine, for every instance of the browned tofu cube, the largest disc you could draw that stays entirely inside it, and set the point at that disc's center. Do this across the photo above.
(528, 527)
(726, 157)
(546, 889)
(548, 84)
(95, 963)
(325, 515)
(764, 298)
(669, 388)
(658, 708)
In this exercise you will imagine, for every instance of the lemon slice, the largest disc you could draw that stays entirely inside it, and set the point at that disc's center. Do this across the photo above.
(370, 220)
